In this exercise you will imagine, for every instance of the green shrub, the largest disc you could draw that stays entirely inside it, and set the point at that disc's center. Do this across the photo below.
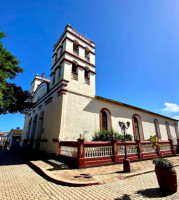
(108, 135)
(162, 162)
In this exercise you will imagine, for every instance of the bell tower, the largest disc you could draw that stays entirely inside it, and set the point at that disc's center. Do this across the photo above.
(74, 61)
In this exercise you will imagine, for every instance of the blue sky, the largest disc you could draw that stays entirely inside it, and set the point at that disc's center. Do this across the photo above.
(137, 47)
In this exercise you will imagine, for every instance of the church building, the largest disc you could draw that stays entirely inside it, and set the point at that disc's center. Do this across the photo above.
(66, 105)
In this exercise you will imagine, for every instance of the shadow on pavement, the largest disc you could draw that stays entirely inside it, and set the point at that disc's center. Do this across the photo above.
(9, 158)
(124, 197)
(153, 193)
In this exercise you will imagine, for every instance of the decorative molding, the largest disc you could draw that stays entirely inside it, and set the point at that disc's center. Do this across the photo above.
(43, 79)
(168, 130)
(50, 93)
(156, 123)
(73, 56)
(101, 120)
(67, 38)
(79, 58)
(136, 108)
(134, 115)
(52, 73)
(62, 91)
(54, 54)
(80, 66)
(39, 86)
(48, 100)
(67, 31)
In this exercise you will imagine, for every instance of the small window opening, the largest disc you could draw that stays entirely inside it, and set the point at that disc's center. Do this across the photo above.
(74, 68)
(75, 46)
(86, 73)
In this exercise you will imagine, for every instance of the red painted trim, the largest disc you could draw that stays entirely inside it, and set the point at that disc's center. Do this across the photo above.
(54, 54)
(133, 107)
(80, 66)
(62, 91)
(48, 101)
(83, 162)
(56, 140)
(57, 67)
(157, 123)
(78, 44)
(61, 94)
(74, 73)
(68, 143)
(41, 79)
(80, 39)
(80, 58)
(73, 56)
(164, 142)
(134, 127)
(48, 94)
(52, 74)
(56, 45)
(101, 121)
(168, 129)
(127, 142)
(67, 31)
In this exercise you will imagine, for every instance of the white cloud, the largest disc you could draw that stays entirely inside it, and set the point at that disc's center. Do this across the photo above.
(176, 117)
(170, 108)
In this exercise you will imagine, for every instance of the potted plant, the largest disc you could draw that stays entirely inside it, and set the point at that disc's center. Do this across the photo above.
(165, 172)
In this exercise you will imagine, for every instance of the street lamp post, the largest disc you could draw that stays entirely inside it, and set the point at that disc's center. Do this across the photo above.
(126, 161)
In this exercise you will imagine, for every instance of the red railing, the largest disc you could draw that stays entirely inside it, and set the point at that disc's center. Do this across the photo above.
(89, 154)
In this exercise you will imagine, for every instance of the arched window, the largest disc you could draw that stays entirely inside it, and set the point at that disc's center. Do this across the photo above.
(157, 129)
(105, 119)
(75, 47)
(53, 78)
(40, 125)
(137, 127)
(176, 130)
(168, 130)
(59, 71)
(55, 56)
(61, 49)
(29, 128)
(34, 127)
(74, 68)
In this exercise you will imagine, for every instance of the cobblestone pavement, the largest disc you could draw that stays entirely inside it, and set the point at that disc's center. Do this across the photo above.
(105, 174)
(19, 181)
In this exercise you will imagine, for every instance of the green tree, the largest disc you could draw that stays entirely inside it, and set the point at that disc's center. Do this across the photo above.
(12, 98)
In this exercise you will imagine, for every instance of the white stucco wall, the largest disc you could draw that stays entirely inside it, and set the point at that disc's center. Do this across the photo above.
(83, 114)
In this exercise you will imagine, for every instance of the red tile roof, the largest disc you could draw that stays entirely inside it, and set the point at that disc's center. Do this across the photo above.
(16, 132)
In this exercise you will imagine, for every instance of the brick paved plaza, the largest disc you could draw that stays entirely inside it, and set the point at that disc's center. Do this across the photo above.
(19, 181)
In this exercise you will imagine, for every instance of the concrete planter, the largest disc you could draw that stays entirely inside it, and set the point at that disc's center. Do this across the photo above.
(167, 178)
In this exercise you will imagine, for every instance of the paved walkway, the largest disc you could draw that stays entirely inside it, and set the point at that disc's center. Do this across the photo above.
(94, 175)
(19, 181)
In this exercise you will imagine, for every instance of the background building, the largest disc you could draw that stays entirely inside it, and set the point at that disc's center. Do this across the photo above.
(14, 138)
